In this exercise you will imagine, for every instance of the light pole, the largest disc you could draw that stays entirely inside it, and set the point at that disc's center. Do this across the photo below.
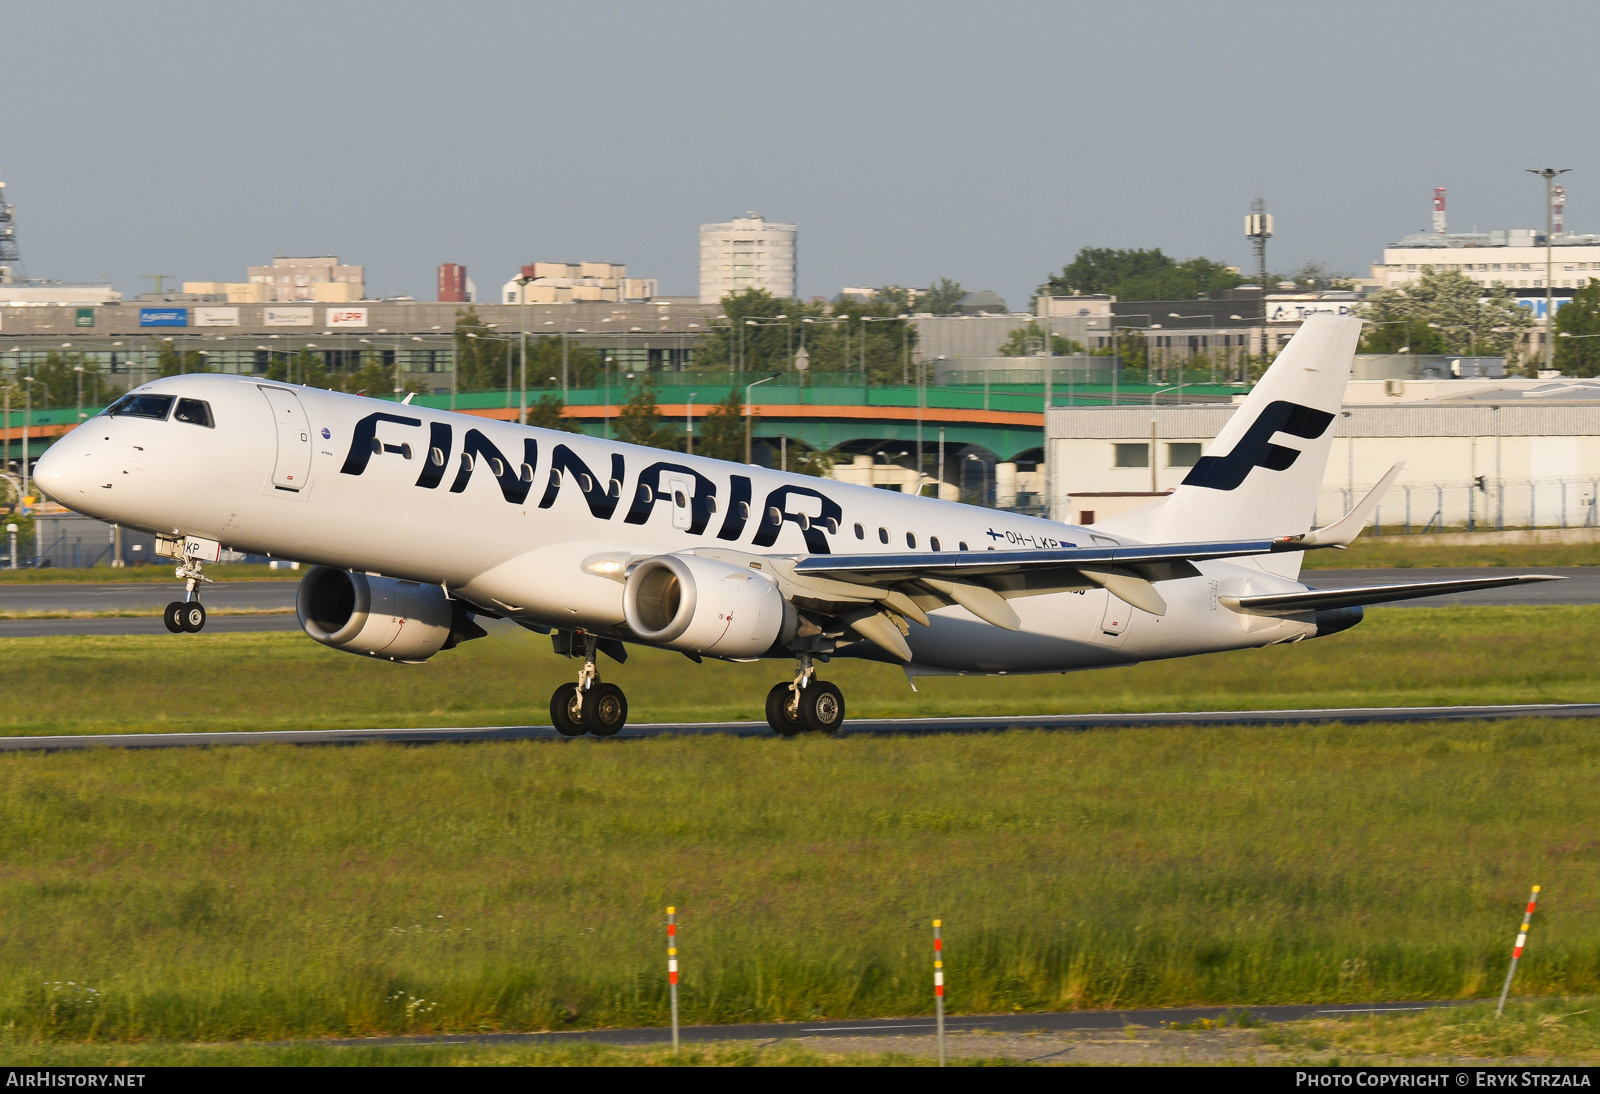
(27, 414)
(1213, 321)
(1154, 488)
(522, 313)
(747, 390)
(865, 319)
(1549, 175)
(1569, 334)
(688, 426)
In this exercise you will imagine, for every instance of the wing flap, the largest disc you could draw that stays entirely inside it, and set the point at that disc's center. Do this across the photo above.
(1322, 599)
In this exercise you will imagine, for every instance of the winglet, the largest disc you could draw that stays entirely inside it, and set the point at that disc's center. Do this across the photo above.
(1342, 532)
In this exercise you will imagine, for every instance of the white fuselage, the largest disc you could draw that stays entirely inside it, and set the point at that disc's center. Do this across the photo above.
(512, 528)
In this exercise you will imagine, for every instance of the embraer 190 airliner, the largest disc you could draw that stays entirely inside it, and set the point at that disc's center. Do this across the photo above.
(417, 521)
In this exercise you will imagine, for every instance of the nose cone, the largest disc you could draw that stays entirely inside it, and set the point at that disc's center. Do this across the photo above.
(51, 473)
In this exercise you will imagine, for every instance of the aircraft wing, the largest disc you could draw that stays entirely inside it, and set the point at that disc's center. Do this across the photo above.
(980, 581)
(965, 564)
(1319, 599)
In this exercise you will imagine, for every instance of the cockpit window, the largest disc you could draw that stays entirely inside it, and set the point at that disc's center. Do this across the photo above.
(195, 412)
(143, 406)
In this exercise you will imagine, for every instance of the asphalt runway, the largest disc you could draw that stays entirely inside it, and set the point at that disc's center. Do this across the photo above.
(1057, 1022)
(913, 727)
(1581, 587)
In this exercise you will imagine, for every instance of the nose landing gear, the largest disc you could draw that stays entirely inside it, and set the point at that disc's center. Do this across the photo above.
(808, 704)
(187, 614)
(589, 706)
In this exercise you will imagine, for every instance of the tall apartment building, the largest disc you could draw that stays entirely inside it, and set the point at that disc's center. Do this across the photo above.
(320, 278)
(748, 253)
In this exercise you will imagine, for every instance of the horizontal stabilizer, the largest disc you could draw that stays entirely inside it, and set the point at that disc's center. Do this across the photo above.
(1322, 599)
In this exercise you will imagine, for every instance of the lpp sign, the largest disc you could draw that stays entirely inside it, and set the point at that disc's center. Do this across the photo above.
(347, 317)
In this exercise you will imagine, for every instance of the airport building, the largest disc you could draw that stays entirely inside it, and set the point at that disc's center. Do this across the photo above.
(1514, 258)
(1486, 453)
(124, 341)
(322, 279)
(747, 253)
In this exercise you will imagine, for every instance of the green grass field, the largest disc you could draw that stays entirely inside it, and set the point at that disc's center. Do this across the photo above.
(274, 892)
(1411, 551)
(1401, 657)
(269, 892)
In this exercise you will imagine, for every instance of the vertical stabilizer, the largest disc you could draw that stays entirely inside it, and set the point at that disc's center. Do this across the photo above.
(1262, 474)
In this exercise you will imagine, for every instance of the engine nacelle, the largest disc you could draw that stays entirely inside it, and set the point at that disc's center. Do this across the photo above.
(702, 605)
(381, 616)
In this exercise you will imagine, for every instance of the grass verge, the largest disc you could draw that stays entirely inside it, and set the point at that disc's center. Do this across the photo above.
(1397, 657)
(1405, 552)
(312, 1054)
(1541, 1031)
(272, 892)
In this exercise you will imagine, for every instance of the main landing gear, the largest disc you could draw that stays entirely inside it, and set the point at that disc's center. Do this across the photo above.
(588, 706)
(808, 704)
(187, 614)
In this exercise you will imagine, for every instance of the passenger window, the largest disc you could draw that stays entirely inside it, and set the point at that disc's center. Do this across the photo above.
(142, 406)
(861, 533)
(883, 535)
(527, 473)
(680, 499)
(833, 526)
(934, 543)
(911, 540)
(195, 412)
(711, 503)
(436, 457)
(964, 546)
(774, 515)
(496, 467)
(744, 510)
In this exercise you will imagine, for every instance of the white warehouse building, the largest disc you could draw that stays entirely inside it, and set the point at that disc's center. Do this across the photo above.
(1502, 453)
(747, 253)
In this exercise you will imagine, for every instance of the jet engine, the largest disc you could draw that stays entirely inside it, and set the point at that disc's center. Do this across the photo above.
(381, 616)
(702, 605)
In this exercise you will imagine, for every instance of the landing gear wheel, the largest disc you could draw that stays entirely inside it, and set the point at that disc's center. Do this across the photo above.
(566, 711)
(193, 616)
(822, 708)
(782, 715)
(605, 709)
(173, 616)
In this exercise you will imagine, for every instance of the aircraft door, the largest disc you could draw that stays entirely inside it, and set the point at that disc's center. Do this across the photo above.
(682, 491)
(293, 466)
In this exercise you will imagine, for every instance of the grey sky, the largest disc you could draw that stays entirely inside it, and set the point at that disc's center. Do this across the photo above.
(983, 142)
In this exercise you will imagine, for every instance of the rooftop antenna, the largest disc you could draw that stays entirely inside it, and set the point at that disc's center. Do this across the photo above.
(10, 255)
(1438, 210)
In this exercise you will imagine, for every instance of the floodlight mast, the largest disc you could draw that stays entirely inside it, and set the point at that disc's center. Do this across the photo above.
(1258, 229)
(1549, 175)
